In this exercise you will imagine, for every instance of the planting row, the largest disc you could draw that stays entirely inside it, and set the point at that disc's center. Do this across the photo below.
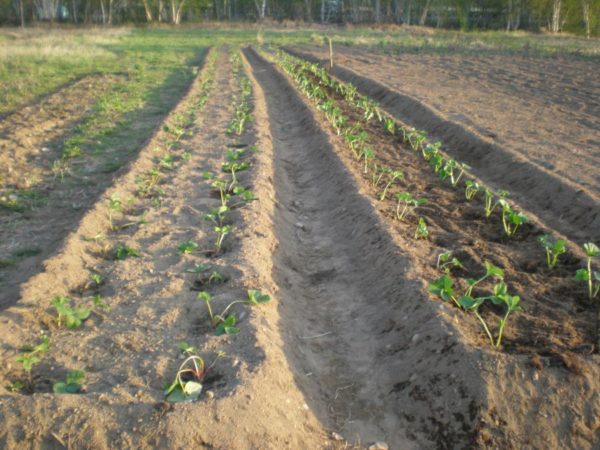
(122, 216)
(359, 121)
(232, 194)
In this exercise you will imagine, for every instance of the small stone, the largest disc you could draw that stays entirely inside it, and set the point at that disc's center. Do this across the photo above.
(299, 225)
(210, 395)
(380, 445)
(336, 436)
(416, 337)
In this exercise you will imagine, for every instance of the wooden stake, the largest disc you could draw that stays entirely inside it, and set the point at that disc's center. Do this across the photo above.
(330, 54)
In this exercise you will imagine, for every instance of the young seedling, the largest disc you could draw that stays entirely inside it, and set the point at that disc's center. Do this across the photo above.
(443, 287)
(233, 168)
(367, 154)
(221, 231)
(445, 262)
(28, 359)
(187, 385)
(449, 170)
(223, 188)
(73, 384)
(186, 156)
(591, 277)
(377, 174)
(245, 194)
(185, 248)
(437, 162)
(553, 249)
(97, 279)
(500, 297)
(390, 125)
(217, 215)
(491, 271)
(224, 324)
(71, 317)
(186, 348)
(407, 202)
(471, 189)
(395, 175)
(199, 268)
(114, 205)
(233, 155)
(166, 162)
(421, 232)
(490, 205)
(511, 219)
(124, 251)
(431, 150)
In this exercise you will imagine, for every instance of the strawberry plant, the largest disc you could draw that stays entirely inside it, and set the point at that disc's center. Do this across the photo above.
(367, 154)
(431, 150)
(71, 317)
(73, 384)
(511, 219)
(221, 231)
(186, 348)
(421, 232)
(443, 287)
(471, 189)
(500, 296)
(587, 275)
(114, 205)
(490, 205)
(407, 202)
(395, 175)
(491, 271)
(449, 171)
(124, 251)
(445, 262)
(553, 249)
(29, 358)
(187, 385)
(217, 215)
(390, 125)
(187, 247)
(224, 324)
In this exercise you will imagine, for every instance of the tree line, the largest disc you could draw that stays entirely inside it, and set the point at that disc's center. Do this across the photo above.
(578, 16)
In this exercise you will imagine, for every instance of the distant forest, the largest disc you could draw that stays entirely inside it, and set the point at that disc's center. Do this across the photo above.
(575, 16)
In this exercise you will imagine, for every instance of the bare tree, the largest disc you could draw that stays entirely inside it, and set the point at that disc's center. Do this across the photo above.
(147, 10)
(176, 9)
(556, 10)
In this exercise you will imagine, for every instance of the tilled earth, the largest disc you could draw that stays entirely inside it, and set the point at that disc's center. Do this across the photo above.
(351, 350)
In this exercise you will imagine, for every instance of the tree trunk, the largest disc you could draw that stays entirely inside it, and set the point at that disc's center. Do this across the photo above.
(22, 13)
(147, 10)
(110, 11)
(377, 11)
(322, 11)
(509, 15)
(556, 9)
(74, 7)
(586, 17)
(103, 12)
(423, 18)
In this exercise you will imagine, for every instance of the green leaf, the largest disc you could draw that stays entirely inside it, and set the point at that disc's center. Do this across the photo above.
(591, 249)
(255, 297)
(199, 268)
(75, 377)
(582, 275)
(227, 327)
(493, 271)
(470, 303)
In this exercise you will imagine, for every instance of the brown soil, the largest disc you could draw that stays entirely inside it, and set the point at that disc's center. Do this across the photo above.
(526, 125)
(351, 351)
